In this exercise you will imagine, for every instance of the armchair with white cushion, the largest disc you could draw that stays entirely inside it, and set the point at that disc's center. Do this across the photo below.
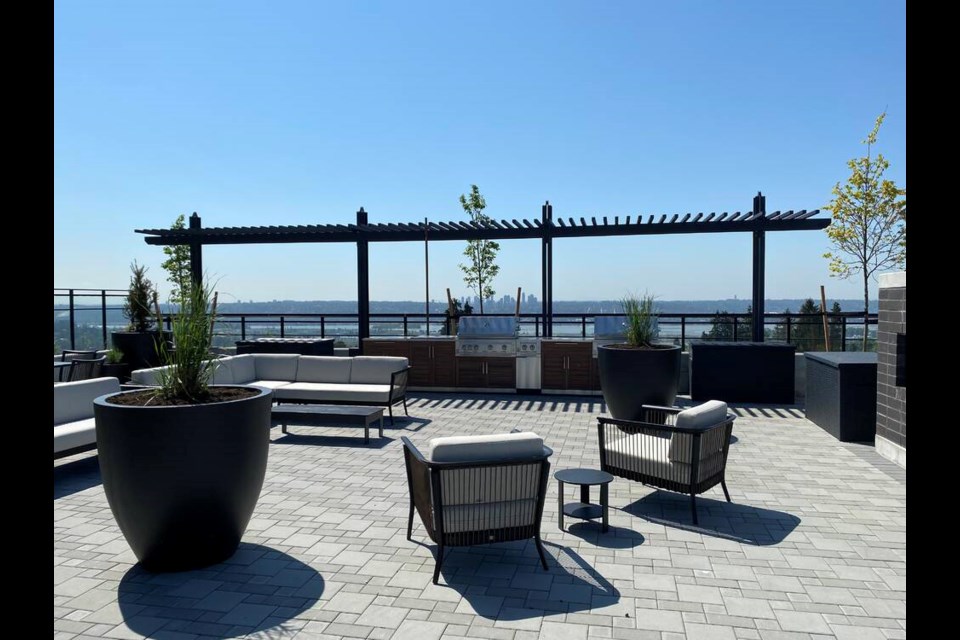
(670, 448)
(471, 490)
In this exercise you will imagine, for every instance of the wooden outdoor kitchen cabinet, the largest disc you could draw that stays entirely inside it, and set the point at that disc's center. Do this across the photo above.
(567, 365)
(432, 362)
(487, 373)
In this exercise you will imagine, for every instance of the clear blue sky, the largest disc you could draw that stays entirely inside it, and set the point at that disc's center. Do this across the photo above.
(302, 112)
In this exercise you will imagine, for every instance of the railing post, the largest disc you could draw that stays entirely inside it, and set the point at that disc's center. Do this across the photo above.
(243, 327)
(843, 333)
(73, 336)
(788, 329)
(323, 327)
(536, 326)
(103, 315)
(683, 332)
(404, 325)
(282, 332)
(583, 326)
(734, 328)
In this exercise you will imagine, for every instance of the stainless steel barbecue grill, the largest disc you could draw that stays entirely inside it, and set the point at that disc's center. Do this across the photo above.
(488, 336)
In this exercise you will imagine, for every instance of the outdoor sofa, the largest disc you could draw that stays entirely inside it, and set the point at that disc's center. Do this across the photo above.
(360, 380)
(74, 429)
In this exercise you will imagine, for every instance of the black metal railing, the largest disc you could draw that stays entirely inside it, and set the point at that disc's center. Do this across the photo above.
(85, 317)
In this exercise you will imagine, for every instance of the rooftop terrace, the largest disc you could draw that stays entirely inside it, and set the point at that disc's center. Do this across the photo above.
(812, 546)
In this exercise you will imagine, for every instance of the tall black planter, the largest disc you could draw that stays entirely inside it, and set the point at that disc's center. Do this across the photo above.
(631, 378)
(182, 481)
(140, 347)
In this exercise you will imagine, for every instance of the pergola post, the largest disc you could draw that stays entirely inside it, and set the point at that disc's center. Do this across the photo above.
(363, 284)
(759, 259)
(196, 253)
(546, 270)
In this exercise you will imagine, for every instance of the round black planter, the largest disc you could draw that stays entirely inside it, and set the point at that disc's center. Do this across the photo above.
(631, 378)
(118, 370)
(182, 481)
(140, 348)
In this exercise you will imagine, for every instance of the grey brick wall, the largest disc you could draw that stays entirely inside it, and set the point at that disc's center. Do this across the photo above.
(892, 399)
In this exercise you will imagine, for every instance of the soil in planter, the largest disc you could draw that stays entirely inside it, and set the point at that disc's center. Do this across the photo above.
(149, 397)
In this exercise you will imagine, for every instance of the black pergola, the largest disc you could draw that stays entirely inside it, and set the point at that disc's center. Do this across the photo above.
(756, 221)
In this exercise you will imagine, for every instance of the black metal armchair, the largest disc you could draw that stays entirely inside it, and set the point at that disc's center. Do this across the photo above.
(68, 355)
(472, 490)
(670, 448)
(84, 369)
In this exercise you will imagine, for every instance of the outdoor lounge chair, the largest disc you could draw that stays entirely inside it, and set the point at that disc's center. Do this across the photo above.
(85, 369)
(658, 450)
(473, 490)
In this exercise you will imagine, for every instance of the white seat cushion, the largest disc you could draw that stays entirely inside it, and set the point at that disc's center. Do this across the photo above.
(331, 392)
(500, 446)
(376, 369)
(270, 384)
(324, 369)
(74, 434)
(74, 400)
(700, 417)
(650, 455)
(276, 366)
(145, 376)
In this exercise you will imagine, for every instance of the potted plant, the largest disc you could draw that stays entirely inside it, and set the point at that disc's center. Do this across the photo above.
(114, 366)
(140, 343)
(183, 463)
(639, 371)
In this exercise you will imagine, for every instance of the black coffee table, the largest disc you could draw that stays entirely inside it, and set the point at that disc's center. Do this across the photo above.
(584, 510)
(327, 415)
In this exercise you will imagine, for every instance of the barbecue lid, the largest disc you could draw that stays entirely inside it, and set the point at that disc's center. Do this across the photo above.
(486, 326)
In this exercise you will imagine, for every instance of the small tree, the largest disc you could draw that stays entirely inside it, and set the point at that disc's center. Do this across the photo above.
(482, 253)
(140, 296)
(177, 265)
(869, 229)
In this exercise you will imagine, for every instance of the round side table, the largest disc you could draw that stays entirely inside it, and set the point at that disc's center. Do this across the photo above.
(584, 509)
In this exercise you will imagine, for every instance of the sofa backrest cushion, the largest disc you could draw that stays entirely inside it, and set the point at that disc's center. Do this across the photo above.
(244, 368)
(145, 376)
(375, 369)
(222, 372)
(699, 417)
(324, 369)
(74, 400)
(501, 446)
(276, 366)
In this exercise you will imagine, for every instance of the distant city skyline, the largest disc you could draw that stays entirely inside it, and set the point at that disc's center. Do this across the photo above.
(253, 116)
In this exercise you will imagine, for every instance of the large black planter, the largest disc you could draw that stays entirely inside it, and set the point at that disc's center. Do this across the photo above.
(182, 481)
(631, 378)
(140, 348)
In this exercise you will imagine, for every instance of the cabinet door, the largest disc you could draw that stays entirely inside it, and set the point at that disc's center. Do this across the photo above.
(553, 372)
(398, 348)
(470, 372)
(421, 363)
(578, 365)
(445, 364)
(501, 373)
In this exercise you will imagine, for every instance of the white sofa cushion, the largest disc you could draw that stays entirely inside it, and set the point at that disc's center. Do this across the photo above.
(222, 372)
(74, 434)
(269, 384)
(700, 417)
(332, 392)
(324, 369)
(276, 366)
(500, 446)
(648, 454)
(145, 376)
(244, 368)
(74, 400)
(376, 369)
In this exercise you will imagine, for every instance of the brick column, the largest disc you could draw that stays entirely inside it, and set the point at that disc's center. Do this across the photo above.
(891, 440)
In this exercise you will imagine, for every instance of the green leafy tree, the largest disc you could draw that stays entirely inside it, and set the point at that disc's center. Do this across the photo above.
(722, 327)
(482, 269)
(177, 265)
(869, 228)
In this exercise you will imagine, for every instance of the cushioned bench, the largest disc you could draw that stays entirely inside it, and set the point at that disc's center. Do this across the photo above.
(361, 380)
(74, 429)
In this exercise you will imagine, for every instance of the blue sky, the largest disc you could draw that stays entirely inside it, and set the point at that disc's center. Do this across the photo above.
(302, 112)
